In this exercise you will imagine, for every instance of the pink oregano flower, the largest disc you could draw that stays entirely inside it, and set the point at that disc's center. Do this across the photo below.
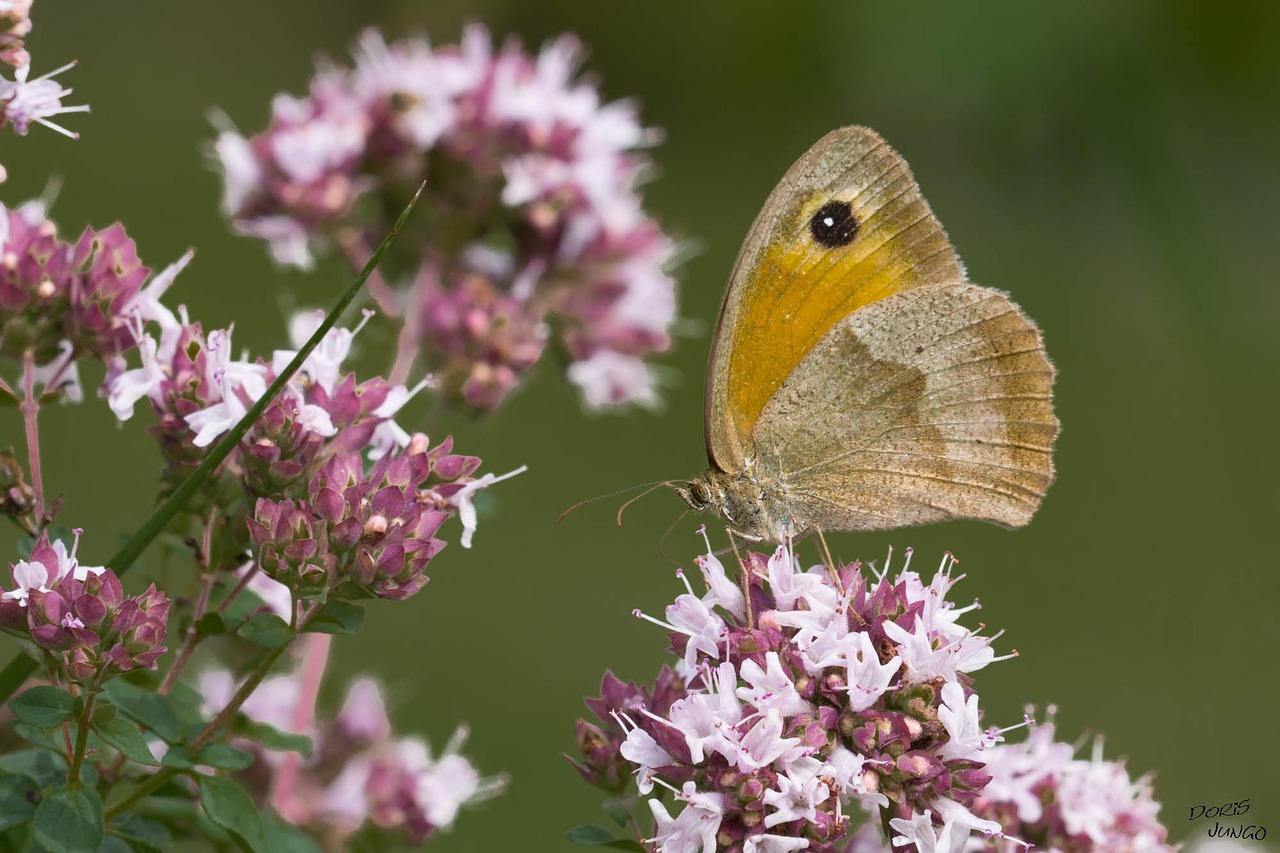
(799, 700)
(361, 774)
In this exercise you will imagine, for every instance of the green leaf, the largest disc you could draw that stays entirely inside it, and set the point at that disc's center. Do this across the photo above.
(211, 625)
(18, 795)
(123, 736)
(21, 667)
(70, 820)
(188, 706)
(149, 710)
(36, 763)
(224, 757)
(141, 835)
(245, 603)
(284, 838)
(177, 759)
(112, 844)
(269, 737)
(103, 712)
(619, 808)
(43, 707)
(44, 738)
(591, 835)
(336, 617)
(227, 805)
(267, 630)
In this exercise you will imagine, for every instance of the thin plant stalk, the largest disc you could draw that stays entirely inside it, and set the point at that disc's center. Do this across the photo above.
(30, 408)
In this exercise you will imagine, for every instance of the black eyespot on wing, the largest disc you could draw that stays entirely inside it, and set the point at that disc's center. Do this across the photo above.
(834, 224)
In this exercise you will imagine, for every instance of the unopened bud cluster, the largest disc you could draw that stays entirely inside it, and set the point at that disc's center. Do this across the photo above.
(362, 532)
(79, 618)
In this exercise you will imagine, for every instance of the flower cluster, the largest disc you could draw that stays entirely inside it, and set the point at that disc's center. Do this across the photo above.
(60, 301)
(1041, 793)
(363, 533)
(24, 101)
(199, 391)
(530, 219)
(17, 498)
(338, 496)
(800, 696)
(79, 616)
(361, 774)
(1049, 800)
(15, 23)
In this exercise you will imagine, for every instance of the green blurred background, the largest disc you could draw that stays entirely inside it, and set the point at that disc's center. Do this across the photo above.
(1113, 165)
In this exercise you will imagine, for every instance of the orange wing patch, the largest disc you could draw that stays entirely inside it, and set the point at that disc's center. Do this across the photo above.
(794, 289)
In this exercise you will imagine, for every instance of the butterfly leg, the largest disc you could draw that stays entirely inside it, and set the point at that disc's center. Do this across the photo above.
(746, 576)
(662, 543)
(832, 571)
(828, 563)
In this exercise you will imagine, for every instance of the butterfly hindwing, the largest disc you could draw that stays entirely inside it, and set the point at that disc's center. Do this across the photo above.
(931, 404)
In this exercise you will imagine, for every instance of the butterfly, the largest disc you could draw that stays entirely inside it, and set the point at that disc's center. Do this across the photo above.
(857, 380)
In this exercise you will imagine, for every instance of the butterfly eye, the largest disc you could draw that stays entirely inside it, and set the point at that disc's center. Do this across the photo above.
(700, 493)
(834, 224)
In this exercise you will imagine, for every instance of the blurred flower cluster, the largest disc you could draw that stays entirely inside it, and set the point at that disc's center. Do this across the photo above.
(530, 230)
(361, 779)
(1047, 799)
(62, 301)
(79, 618)
(799, 701)
(1043, 794)
(25, 100)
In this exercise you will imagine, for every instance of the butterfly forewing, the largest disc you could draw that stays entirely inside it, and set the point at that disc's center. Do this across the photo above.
(793, 282)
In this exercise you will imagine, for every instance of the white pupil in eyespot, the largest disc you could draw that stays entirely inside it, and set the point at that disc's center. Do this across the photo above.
(828, 221)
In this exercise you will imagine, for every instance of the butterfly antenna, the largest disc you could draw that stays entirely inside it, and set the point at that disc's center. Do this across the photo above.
(652, 488)
(649, 486)
(663, 541)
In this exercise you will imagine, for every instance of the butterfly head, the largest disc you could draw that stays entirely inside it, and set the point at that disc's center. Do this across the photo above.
(738, 500)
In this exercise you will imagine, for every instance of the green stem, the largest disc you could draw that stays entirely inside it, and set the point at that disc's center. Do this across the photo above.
(82, 740)
(164, 774)
(19, 669)
(250, 684)
(886, 814)
(157, 779)
(246, 690)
